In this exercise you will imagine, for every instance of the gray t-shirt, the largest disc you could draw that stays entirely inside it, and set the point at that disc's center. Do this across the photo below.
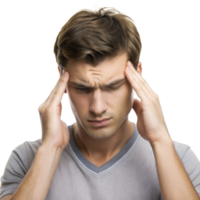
(131, 174)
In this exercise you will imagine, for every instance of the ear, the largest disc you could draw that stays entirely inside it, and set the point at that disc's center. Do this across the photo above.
(59, 70)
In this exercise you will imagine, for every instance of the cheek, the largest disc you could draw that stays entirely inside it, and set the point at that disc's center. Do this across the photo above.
(126, 98)
(72, 97)
(125, 102)
(77, 100)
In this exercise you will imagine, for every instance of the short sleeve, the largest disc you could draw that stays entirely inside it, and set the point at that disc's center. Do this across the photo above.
(15, 170)
(191, 164)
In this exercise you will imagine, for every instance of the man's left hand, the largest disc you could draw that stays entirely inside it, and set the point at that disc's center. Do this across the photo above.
(150, 123)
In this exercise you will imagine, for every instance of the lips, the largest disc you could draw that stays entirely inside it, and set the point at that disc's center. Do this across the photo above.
(101, 120)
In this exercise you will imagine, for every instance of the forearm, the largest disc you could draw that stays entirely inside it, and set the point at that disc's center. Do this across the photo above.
(174, 181)
(37, 181)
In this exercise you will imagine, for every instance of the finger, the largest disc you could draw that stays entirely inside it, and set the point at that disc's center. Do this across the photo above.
(47, 102)
(139, 84)
(62, 73)
(60, 89)
(50, 97)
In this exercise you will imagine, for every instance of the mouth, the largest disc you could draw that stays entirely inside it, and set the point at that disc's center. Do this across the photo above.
(100, 123)
(98, 120)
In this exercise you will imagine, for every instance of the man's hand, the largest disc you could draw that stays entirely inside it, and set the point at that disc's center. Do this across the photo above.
(54, 131)
(150, 123)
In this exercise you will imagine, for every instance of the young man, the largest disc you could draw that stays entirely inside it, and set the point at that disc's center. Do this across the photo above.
(103, 156)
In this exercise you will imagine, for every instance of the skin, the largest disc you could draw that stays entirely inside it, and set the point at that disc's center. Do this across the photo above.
(99, 145)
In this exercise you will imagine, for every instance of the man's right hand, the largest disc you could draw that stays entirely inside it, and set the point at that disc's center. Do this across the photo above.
(54, 131)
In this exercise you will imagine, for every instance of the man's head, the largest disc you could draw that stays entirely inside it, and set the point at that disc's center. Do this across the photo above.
(94, 48)
(92, 96)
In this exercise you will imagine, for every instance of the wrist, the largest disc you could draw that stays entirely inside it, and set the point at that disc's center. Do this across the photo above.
(48, 148)
(166, 141)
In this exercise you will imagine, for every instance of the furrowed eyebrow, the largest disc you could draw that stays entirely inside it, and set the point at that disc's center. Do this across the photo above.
(107, 85)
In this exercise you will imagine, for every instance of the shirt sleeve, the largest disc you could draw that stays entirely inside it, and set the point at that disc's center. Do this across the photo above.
(192, 166)
(15, 170)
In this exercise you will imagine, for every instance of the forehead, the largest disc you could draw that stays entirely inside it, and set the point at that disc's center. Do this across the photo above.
(107, 69)
(106, 74)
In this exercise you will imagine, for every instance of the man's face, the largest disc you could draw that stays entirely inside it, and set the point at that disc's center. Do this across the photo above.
(100, 102)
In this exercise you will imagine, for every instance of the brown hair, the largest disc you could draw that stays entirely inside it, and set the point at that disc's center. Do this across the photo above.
(92, 36)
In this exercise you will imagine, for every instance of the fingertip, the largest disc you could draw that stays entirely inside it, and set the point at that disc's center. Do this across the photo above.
(67, 74)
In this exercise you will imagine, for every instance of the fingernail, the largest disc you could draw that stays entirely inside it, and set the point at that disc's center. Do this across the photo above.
(130, 65)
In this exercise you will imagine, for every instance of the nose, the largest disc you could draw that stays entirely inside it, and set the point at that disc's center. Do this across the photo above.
(98, 103)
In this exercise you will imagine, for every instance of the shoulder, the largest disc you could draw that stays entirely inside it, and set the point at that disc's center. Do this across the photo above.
(185, 151)
(17, 166)
(25, 153)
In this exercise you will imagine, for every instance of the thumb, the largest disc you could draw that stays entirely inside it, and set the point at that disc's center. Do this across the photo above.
(67, 81)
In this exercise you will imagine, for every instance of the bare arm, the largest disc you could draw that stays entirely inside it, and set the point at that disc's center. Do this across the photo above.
(55, 137)
(37, 181)
(173, 179)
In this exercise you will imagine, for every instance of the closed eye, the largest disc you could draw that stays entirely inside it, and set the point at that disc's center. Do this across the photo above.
(88, 90)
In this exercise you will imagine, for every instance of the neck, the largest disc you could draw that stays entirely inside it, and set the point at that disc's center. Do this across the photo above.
(105, 147)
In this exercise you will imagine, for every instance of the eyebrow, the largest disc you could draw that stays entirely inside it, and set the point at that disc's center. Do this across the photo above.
(107, 85)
